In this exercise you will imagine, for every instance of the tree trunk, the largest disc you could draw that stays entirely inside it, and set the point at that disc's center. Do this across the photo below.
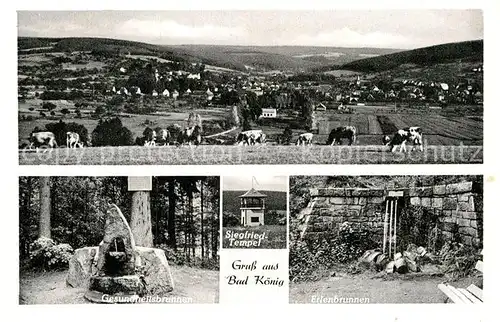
(44, 225)
(140, 219)
(171, 215)
(202, 230)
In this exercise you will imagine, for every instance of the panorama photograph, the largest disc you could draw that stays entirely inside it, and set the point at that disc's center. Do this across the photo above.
(250, 87)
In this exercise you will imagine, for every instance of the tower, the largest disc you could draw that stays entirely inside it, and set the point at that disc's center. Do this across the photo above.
(252, 208)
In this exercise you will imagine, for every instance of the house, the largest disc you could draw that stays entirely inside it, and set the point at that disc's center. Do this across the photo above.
(166, 93)
(188, 91)
(268, 113)
(320, 107)
(122, 70)
(252, 208)
(175, 94)
(154, 93)
(194, 76)
(210, 95)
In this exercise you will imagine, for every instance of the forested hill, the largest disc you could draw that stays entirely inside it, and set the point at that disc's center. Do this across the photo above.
(276, 200)
(446, 53)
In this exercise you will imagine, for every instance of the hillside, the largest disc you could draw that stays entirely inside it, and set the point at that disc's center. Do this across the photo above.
(471, 51)
(242, 58)
(276, 200)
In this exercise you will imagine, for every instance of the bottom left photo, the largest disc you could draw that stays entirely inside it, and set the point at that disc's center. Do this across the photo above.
(119, 239)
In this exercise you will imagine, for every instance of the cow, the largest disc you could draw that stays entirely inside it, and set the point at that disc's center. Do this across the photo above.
(342, 132)
(39, 139)
(305, 139)
(251, 137)
(190, 135)
(163, 137)
(72, 140)
(149, 138)
(412, 135)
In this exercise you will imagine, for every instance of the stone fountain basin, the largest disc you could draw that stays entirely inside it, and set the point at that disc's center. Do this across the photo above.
(153, 269)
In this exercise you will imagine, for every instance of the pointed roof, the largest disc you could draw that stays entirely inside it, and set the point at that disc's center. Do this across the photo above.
(252, 193)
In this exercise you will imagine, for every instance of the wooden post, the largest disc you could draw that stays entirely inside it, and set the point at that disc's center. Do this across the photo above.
(390, 229)
(140, 216)
(395, 224)
(384, 243)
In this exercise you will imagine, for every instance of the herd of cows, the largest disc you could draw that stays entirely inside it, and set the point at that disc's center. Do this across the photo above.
(193, 135)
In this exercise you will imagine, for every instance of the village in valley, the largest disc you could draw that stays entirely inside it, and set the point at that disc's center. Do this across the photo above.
(123, 93)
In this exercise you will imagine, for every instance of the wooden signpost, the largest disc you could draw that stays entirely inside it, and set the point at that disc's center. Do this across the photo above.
(140, 216)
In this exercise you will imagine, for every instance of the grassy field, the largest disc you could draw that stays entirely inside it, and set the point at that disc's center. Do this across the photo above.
(198, 285)
(274, 238)
(264, 154)
(374, 122)
(134, 122)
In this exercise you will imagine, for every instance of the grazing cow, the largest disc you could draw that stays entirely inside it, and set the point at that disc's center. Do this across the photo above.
(149, 138)
(163, 137)
(39, 139)
(251, 137)
(305, 139)
(72, 140)
(342, 132)
(190, 135)
(411, 135)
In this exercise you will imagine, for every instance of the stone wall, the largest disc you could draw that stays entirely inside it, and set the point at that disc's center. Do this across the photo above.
(456, 205)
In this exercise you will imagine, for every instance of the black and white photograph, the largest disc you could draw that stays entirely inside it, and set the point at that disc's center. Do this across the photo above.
(126, 240)
(386, 239)
(254, 212)
(250, 87)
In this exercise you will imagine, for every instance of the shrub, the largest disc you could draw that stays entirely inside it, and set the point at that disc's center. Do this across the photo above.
(52, 113)
(230, 219)
(49, 106)
(111, 132)
(65, 111)
(47, 255)
(61, 128)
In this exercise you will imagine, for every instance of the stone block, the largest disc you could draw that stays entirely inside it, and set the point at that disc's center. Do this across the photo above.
(82, 265)
(439, 190)
(449, 226)
(459, 187)
(467, 215)
(466, 206)
(467, 240)
(362, 200)
(376, 200)
(463, 222)
(337, 201)
(322, 202)
(450, 203)
(464, 197)
(437, 202)
(467, 231)
(415, 201)
(473, 224)
(425, 202)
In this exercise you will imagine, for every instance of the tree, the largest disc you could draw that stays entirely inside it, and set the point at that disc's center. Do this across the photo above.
(44, 223)
(61, 128)
(172, 198)
(65, 111)
(111, 132)
(140, 219)
(49, 106)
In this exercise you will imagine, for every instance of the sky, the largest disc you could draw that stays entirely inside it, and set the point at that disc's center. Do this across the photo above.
(402, 29)
(269, 183)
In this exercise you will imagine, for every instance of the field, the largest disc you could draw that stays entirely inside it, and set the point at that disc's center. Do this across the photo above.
(275, 237)
(134, 122)
(265, 154)
(198, 285)
(372, 122)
